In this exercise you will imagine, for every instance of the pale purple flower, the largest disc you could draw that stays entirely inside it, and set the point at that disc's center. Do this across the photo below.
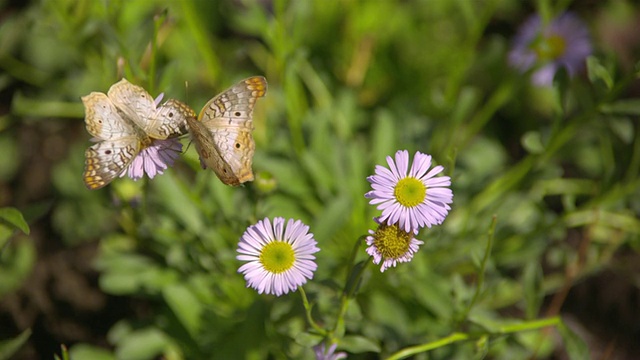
(564, 42)
(391, 245)
(278, 258)
(412, 198)
(154, 159)
(322, 353)
(158, 99)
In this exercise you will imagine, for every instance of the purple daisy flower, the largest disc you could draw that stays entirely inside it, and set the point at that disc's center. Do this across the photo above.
(391, 245)
(154, 159)
(322, 353)
(278, 258)
(564, 42)
(412, 198)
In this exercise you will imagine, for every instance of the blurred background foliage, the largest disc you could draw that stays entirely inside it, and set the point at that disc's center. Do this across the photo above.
(147, 269)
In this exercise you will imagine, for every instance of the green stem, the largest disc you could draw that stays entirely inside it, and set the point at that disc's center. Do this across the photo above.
(307, 308)
(453, 338)
(458, 337)
(483, 267)
(527, 326)
(351, 284)
(352, 259)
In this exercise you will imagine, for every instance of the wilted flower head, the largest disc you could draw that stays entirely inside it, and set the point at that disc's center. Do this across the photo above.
(390, 245)
(154, 159)
(322, 353)
(563, 42)
(412, 198)
(278, 258)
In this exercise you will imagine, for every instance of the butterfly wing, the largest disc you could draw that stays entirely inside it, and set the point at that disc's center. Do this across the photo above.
(107, 159)
(227, 144)
(169, 120)
(119, 141)
(102, 119)
(165, 121)
(132, 101)
(209, 153)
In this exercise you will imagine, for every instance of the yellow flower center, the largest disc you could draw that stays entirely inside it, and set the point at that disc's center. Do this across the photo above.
(277, 257)
(391, 241)
(410, 192)
(550, 48)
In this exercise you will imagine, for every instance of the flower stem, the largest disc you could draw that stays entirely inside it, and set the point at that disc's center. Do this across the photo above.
(350, 280)
(307, 308)
(453, 338)
(458, 337)
(351, 284)
(483, 267)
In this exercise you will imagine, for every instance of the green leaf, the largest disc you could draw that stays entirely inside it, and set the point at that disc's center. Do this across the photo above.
(86, 351)
(384, 136)
(14, 217)
(575, 346)
(482, 348)
(142, 344)
(31, 107)
(623, 127)
(532, 142)
(533, 292)
(358, 344)
(185, 305)
(596, 71)
(333, 217)
(11, 346)
(626, 106)
(307, 339)
(353, 282)
(320, 174)
(65, 352)
(176, 201)
(9, 148)
(127, 273)
(118, 284)
(17, 263)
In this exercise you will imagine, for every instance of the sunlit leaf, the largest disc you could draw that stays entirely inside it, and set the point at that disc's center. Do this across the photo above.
(185, 305)
(14, 217)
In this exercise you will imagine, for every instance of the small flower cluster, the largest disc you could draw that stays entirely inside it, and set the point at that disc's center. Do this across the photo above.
(410, 199)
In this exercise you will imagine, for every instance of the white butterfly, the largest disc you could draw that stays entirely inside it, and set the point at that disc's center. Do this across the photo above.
(222, 132)
(125, 121)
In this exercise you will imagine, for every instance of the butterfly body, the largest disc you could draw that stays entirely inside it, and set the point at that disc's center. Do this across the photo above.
(223, 131)
(123, 122)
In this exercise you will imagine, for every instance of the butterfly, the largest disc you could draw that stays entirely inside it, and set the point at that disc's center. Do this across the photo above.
(123, 122)
(222, 132)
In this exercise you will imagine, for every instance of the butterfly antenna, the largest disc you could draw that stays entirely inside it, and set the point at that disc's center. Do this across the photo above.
(188, 146)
